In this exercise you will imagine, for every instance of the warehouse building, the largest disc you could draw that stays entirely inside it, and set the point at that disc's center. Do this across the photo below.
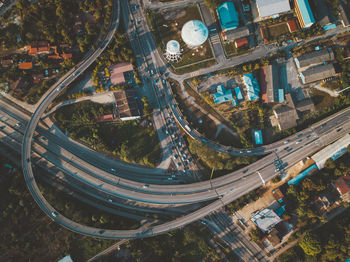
(126, 105)
(314, 58)
(271, 90)
(317, 73)
(272, 8)
(304, 13)
(228, 16)
(285, 116)
(334, 151)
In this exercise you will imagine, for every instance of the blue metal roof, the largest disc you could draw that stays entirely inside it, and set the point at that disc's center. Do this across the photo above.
(329, 27)
(280, 95)
(258, 137)
(234, 102)
(228, 16)
(280, 210)
(306, 12)
(296, 180)
(252, 86)
(222, 95)
(238, 93)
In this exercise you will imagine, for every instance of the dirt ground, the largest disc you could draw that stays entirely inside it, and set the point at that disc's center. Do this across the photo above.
(267, 198)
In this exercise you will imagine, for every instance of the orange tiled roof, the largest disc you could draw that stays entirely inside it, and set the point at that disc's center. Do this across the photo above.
(26, 65)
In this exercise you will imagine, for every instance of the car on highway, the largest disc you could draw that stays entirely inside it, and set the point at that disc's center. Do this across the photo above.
(145, 186)
(112, 170)
(110, 200)
(54, 213)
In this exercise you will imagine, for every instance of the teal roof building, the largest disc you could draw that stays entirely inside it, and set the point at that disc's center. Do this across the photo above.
(258, 137)
(223, 95)
(238, 93)
(228, 16)
(304, 13)
(252, 86)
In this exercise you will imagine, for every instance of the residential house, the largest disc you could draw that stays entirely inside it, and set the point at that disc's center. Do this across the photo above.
(105, 118)
(342, 184)
(266, 220)
(234, 34)
(241, 42)
(117, 72)
(25, 65)
(41, 47)
(223, 95)
(6, 62)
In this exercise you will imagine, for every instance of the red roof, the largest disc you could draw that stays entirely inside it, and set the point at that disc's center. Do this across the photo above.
(105, 118)
(342, 184)
(241, 42)
(26, 65)
(292, 25)
(41, 46)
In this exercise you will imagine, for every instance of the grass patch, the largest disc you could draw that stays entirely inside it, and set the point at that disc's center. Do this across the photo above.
(321, 99)
(273, 32)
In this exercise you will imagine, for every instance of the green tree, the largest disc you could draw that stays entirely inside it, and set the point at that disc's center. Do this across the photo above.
(311, 244)
(212, 4)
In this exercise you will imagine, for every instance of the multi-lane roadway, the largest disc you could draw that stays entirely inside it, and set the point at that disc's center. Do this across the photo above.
(225, 189)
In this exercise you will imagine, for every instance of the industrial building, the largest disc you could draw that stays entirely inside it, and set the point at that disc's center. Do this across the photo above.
(252, 86)
(271, 90)
(272, 8)
(285, 116)
(304, 13)
(317, 73)
(126, 105)
(333, 151)
(194, 33)
(228, 16)
(314, 58)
